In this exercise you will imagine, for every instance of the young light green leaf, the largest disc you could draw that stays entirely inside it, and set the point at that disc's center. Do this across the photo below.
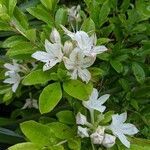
(48, 3)
(38, 13)
(25, 146)
(74, 143)
(36, 77)
(78, 89)
(61, 16)
(88, 26)
(50, 97)
(11, 6)
(66, 117)
(38, 133)
(61, 130)
(31, 34)
(138, 72)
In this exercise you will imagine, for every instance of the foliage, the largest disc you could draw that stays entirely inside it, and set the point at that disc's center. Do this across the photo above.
(122, 71)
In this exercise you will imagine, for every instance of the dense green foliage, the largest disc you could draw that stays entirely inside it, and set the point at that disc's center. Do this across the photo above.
(122, 71)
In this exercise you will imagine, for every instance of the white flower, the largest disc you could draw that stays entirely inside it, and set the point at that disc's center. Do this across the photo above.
(81, 119)
(77, 65)
(51, 57)
(68, 47)
(82, 132)
(120, 129)
(12, 67)
(95, 103)
(14, 80)
(98, 136)
(30, 103)
(85, 43)
(55, 36)
(73, 13)
(109, 140)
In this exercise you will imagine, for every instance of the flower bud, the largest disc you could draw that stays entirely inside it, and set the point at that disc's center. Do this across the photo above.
(81, 119)
(55, 36)
(98, 136)
(68, 47)
(82, 132)
(109, 140)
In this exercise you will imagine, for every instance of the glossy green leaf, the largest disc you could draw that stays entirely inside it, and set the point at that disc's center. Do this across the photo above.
(36, 77)
(138, 72)
(50, 97)
(117, 65)
(78, 89)
(38, 133)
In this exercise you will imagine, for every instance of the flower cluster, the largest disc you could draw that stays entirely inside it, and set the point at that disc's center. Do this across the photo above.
(101, 134)
(78, 54)
(13, 74)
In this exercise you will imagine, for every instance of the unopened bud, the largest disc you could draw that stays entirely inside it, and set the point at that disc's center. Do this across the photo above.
(68, 47)
(82, 132)
(81, 119)
(98, 136)
(109, 140)
(55, 36)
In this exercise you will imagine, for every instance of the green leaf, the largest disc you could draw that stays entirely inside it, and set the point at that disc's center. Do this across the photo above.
(66, 117)
(74, 143)
(25, 146)
(13, 41)
(31, 35)
(22, 50)
(50, 97)
(37, 77)
(138, 72)
(9, 137)
(38, 13)
(107, 117)
(116, 65)
(61, 16)
(88, 26)
(61, 130)
(48, 4)
(4, 26)
(38, 133)
(104, 12)
(12, 4)
(78, 89)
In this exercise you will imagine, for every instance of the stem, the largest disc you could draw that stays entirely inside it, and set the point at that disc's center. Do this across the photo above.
(93, 148)
(92, 116)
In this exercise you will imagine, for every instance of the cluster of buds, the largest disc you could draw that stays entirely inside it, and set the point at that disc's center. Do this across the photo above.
(98, 136)
(98, 133)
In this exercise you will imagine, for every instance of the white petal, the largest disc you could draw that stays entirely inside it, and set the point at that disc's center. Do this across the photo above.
(83, 40)
(15, 86)
(50, 64)
(41, 56)
(88, 61)
(103, 98)
(123, 139)
(94, 94)
(70, 34)
(94, 39)
(9, 66)
(74, 74)
(129, 129)
(99, 49)
(118, 119)
(9, 80)
(54, 50)
(84, 74)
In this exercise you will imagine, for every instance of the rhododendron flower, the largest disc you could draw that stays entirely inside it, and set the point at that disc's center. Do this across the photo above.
(85, 43)
(14, 79)
(95, 103)
(51, 57)
(120, 129)
(77, 65)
